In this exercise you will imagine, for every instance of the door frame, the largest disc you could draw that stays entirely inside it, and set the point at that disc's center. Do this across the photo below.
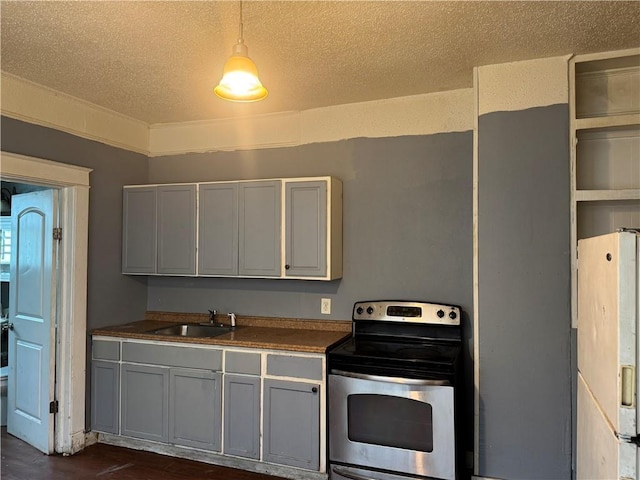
(71, 315)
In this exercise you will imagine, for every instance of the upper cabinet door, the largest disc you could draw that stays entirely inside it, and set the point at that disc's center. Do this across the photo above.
(177, 229)
(246, 228)
(260, 228)
(218, 229)
(139, 230)
(306, 229)
(313, 228)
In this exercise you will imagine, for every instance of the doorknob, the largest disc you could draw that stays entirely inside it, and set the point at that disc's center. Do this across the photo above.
(7, 326)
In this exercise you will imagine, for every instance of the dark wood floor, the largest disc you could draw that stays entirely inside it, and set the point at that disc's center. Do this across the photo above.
(21, 461)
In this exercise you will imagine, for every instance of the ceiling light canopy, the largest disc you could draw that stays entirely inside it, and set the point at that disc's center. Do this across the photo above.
(240, 82)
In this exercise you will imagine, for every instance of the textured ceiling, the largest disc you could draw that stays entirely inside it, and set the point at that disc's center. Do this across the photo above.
(159, 61)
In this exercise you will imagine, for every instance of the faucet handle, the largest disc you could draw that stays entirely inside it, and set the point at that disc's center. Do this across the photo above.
(212, 315)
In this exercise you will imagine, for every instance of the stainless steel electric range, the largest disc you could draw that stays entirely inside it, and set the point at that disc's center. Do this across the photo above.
(393, 393)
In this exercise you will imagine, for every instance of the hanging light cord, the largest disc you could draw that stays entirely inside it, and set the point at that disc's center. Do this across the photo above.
(241, 28)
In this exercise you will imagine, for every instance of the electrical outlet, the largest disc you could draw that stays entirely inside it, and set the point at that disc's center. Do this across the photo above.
(325, 306)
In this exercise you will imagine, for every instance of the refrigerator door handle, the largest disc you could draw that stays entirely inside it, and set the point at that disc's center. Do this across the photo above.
(627, 385)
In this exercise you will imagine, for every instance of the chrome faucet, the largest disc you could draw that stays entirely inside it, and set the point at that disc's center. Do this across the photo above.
(232, 318)
(212, 316)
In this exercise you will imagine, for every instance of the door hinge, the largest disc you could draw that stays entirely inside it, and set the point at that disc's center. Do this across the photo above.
(57, 233)
(53, 407)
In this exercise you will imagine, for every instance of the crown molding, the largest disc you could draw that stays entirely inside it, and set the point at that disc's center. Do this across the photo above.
(449, 111)
(33, 103)
(440, 112)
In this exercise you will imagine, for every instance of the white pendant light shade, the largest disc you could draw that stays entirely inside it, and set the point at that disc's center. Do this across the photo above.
(240, 82)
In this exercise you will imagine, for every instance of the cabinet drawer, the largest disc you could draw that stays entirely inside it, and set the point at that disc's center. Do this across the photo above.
(296, 367)
(186, 357)
(105, 350)
(242, 362)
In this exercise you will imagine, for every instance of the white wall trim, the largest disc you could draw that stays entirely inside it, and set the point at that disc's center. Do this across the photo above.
(244, 133)
(449, 111)
(29, 102)
(476, 295)
(72, 317)
(505, 87)
(425, 114)
(39, 171)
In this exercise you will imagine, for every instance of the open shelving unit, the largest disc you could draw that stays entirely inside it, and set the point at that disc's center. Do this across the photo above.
(605, 147)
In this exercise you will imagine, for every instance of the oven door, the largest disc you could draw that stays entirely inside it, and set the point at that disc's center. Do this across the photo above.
(394, 424)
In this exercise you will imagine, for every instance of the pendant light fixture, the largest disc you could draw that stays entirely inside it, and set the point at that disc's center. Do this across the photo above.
(240, 82)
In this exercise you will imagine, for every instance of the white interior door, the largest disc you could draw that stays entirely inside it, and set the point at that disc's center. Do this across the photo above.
(607, 322)
(31, 311)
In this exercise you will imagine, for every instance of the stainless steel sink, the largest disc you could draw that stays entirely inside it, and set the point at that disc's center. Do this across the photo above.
(193, 330)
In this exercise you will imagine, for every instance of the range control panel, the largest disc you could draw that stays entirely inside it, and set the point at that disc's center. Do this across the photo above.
(404, 311)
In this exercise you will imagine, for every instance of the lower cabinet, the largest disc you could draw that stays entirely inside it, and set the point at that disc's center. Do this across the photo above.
(242, 416)
(174, 395)
(292, 423)
(105, 396)
(195, 406)
(145, 402)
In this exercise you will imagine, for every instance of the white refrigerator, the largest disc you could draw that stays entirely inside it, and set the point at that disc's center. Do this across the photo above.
(608, 305)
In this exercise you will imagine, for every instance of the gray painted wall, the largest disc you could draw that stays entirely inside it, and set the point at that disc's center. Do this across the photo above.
(408, 201)
(112, 297)
(407, 209)
(524, 294)
(407, 206)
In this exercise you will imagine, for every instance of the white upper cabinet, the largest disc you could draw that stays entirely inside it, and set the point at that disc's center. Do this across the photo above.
(605, 147)
(159, 230)
(139, 230)
(218, 229)
(279, 228)
(313, 229)
(177, 229)
(260, 228)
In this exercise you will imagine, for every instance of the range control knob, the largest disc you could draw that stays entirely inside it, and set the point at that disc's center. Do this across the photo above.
(369, 310)
(359, 310)
(452, 315)
(440, 313)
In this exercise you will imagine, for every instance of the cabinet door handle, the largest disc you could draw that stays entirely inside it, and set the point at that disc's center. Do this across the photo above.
(314, 389)
(287, 267)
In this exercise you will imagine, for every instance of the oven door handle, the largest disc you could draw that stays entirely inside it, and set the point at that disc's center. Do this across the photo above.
(380, 378)
(350, 475)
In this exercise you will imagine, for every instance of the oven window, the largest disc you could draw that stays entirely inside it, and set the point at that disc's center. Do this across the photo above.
(390, 421)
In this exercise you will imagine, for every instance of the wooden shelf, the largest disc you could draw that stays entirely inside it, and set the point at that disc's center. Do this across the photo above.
(629, 120)
(604, 129)
(607, 195)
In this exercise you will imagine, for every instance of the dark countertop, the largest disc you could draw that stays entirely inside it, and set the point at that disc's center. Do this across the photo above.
(298, 335)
